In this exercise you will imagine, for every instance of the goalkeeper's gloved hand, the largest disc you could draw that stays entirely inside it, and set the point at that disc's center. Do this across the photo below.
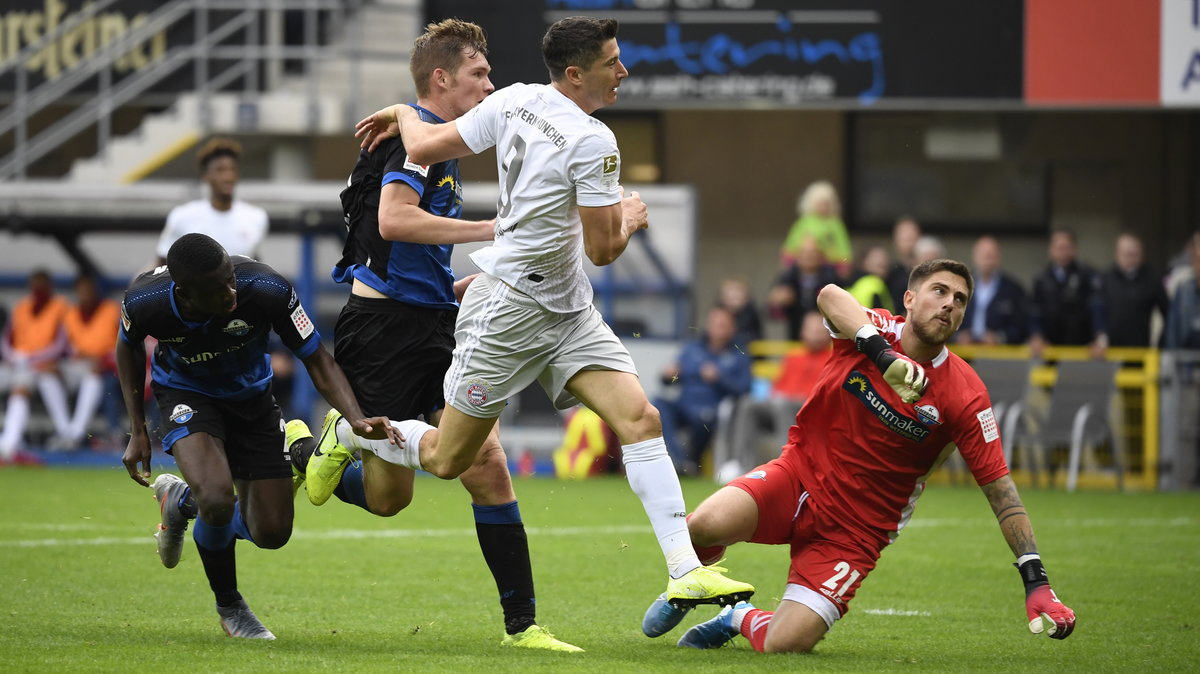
(902, 373)
(1041, 604)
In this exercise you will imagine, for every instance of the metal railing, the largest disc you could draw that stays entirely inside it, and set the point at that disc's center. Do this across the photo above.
(215, 65)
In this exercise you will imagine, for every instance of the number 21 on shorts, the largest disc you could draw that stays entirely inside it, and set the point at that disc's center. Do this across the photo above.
(841, 570)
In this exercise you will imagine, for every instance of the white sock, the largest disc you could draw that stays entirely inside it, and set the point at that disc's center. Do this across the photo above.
(54, 396)
(408, 455)
(652, 477)
(739, 615)
(16, 415)
(90, 389)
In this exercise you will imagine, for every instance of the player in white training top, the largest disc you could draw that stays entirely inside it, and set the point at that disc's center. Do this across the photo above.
(529, 316)
(238, 226)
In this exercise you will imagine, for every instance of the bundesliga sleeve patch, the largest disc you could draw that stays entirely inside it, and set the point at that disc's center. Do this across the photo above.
(410, 165)
(610, 171)
(987, 424)
(300, 319)
(125, 322)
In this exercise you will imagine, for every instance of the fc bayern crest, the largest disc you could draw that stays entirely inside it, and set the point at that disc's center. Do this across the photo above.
(477, 393)
(237, 327)
(182, 414)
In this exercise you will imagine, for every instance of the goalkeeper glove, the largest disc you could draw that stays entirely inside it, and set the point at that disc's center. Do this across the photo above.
(1041, 604)
(903, 374)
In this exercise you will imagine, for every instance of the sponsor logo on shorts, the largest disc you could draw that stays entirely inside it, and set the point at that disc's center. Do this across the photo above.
(757, 475)
(478, 392)
(929, 415)
(237, 327)
(905, 426)
(182, 414)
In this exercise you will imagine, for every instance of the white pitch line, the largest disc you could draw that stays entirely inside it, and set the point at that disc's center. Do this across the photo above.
(348, 534)
(894, 612)
(341, 534)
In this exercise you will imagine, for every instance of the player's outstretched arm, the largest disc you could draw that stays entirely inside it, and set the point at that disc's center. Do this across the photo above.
(904, 375)
(425, 143)
(328, 378)
(131, 371)
(1042, 607)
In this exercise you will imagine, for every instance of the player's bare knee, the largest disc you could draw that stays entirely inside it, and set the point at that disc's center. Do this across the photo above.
(388, 505)
(214, 506)
(795, 642)
(272, 536)
(446, 469)
(703, 528)
(641, 424)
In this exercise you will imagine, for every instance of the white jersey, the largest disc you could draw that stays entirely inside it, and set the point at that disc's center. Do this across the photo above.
(240, 230)
(552, 158)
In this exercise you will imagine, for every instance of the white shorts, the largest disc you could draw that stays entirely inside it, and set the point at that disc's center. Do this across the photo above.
(505, 340)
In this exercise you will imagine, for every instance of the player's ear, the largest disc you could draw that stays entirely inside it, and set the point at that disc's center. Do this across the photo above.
(573, 74)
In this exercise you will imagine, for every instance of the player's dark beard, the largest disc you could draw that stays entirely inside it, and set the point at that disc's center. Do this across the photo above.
(926, 335)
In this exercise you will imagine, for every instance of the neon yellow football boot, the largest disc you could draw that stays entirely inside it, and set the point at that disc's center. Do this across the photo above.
(540, 638)
(327, 463)
(706, 585)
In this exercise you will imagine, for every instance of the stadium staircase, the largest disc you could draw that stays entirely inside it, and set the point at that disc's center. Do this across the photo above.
(346, 63)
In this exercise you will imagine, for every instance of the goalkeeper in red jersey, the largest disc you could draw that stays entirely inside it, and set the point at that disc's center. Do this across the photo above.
(889, 407)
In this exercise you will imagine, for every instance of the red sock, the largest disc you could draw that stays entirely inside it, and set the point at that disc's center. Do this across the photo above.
(710, 555)
(754, 627)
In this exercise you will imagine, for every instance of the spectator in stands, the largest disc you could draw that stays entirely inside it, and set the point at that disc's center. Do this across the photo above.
(905, 233)
(820, 219)
(32, 346)
(238, 226)
(734, 296)
(708, 370)
(91, 326)
(926, 248)
(754, 419)
(1067, 307)
(869, 288)
(1183, 318)
(1179, 269)
(999, 310)
(1132, 291)
(795, 291)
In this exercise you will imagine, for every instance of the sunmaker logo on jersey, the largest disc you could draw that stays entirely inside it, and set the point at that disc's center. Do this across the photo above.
(858, 384)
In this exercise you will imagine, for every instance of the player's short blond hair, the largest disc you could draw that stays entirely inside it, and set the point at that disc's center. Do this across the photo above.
(218, 147)
(444, 45)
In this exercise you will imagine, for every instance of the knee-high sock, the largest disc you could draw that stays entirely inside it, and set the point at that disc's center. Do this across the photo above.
(55, 399)
(652, 477)
(215, 546)
(754, 623)
(16, 415)
(90, 389)
(408, 456)
(506, 549)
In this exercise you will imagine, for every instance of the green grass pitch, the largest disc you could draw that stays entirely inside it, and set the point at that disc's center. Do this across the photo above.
(83, 589)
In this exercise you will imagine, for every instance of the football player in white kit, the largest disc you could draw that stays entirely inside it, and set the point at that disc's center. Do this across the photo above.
(529, 316)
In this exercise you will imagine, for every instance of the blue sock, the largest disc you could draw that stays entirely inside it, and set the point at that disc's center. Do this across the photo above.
(210, 537)
(505, 513)
(239, 523)
(351, 489)
(219, 538)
